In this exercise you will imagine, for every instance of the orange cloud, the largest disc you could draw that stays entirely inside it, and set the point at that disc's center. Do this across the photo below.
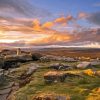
(48, 25)
(82, 15)
(36, 25)
(50, 36)
(52, 39)
(63, 20)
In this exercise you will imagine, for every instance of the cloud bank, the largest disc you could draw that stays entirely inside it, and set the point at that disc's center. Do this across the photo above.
(22, 24)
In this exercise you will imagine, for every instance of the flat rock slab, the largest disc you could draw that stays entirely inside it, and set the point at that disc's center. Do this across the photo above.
(7, 86)
(3, 97)
(5, 91)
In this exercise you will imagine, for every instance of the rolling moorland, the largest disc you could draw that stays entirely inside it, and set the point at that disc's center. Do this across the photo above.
(51, 74)
(72, 52)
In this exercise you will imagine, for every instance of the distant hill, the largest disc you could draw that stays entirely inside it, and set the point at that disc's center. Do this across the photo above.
(71, 52)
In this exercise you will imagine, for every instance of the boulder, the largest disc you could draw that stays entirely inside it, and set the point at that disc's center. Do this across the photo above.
(54, 76)
(36, 56)
(95, 62)
(68, 59)
(28, 72)
(60, 66)
(45, 59)
(24, 82)
(84, 65)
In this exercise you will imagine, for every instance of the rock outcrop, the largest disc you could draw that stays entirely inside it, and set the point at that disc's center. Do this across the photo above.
(84, 65)
(60, 66)
(55, 76)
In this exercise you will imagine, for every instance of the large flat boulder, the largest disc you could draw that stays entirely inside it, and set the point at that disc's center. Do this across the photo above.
(83, 65)
(60, 66)
(54, 76)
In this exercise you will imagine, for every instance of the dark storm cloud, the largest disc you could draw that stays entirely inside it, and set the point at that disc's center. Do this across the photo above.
(94, 18)
(22, 7)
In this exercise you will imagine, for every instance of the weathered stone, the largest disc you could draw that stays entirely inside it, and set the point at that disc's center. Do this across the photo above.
(54, 76)
(60, 66)
(95, 62)
(3, 97)
(29, 71)
(24, 82)
(84, 65)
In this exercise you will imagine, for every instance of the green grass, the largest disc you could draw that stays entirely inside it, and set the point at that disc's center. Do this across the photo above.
(77, 88)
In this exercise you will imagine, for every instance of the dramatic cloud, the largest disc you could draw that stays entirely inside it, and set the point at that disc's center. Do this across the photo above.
(64, 20)
(52, 39)
(21, 8)
(61, 21)
(48, 25)
(25, 28)
(94, 18)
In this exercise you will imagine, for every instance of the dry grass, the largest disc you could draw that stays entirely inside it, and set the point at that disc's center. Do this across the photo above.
(77, 88)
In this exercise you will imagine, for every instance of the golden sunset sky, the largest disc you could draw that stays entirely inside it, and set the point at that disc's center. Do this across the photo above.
(51, 23)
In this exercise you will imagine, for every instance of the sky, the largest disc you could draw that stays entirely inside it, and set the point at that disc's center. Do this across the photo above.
(50, 23)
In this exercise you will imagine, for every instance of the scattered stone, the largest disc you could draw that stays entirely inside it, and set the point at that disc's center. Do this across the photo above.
(95, 62)
(5, 91)
(54, 76)
(32, 68)
(57, 58)
(3, 97)
(60, 66)
(26, 76)
(1, 72)
(24, 82)
(69, 59)
(84, 65)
